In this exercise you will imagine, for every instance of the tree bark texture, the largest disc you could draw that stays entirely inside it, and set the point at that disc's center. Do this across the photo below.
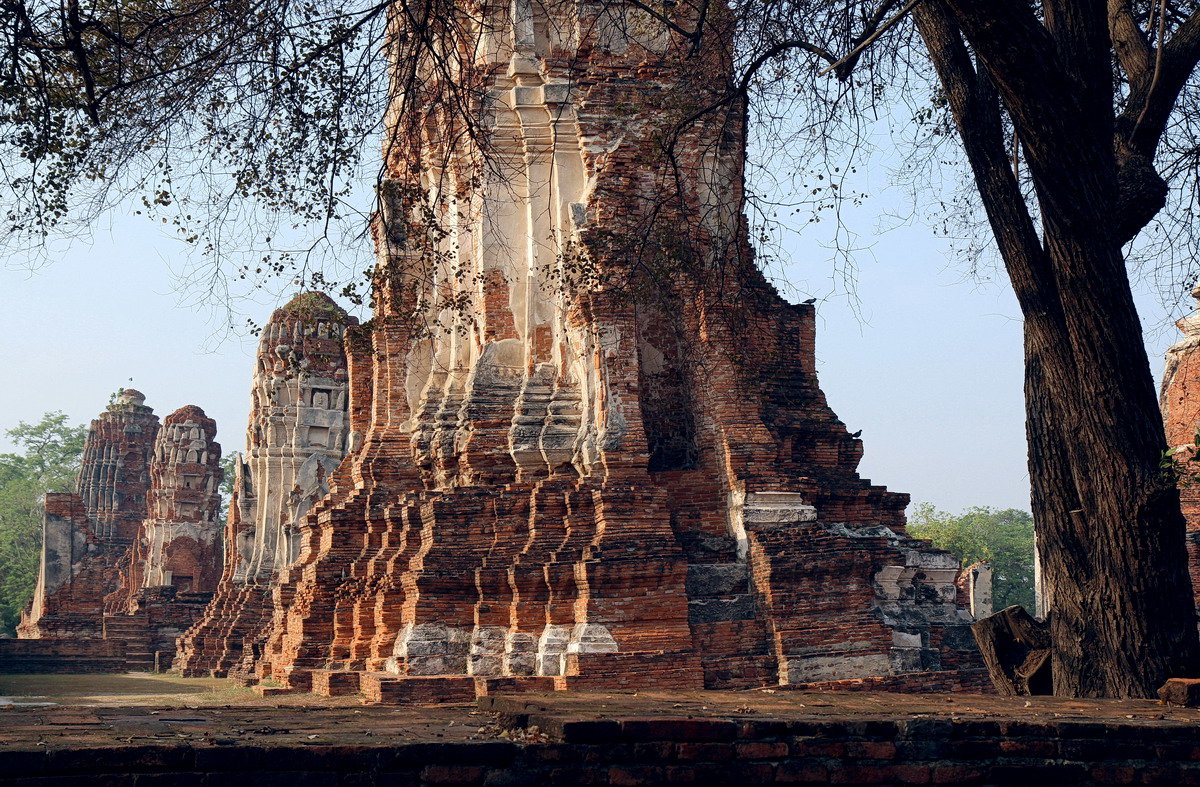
(1110, 532)
(1016, 650)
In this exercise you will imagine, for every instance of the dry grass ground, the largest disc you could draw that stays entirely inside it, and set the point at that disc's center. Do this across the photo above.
(144, 689)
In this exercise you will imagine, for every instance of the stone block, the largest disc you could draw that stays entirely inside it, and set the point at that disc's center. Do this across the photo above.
(512, 685)
(335, 683)
(717, 579)
(379, 688)
(678, 729)
(1181, 691)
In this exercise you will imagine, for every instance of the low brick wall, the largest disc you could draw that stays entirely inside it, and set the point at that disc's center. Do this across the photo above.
(61, 655)
(646, 750)
(973, 681)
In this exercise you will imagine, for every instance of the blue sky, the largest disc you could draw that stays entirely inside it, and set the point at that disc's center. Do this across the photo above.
(927, 364)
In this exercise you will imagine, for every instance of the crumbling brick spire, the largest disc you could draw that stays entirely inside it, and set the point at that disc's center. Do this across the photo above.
(595, 451)
(114, 475)
(86, 533)
(297, 434)
(180, 540)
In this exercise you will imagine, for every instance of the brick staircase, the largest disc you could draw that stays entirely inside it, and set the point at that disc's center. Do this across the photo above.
(135, 631)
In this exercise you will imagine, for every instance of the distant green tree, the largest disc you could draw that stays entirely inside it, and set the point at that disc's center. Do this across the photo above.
(48, 462)
(1003, 538)
(228, 467)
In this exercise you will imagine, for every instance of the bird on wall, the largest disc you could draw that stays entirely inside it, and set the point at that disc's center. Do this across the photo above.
(857, 434)
(810, 301)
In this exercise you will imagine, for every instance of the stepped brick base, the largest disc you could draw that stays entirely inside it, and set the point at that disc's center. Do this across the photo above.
(216, 643)
(134, 632)
(168, 613)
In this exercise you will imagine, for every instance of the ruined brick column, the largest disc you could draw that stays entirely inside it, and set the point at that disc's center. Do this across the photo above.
(87, 532)
(297, 434)
(170, 571)
(595, 453)
(180, 544)
(1180, 402)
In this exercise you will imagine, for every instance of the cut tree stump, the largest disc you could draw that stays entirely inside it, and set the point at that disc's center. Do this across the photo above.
(1016, 650)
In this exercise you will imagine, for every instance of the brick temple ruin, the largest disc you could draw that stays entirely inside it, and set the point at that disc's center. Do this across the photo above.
(580, 445)
(586, 443)
(1180, 402)
(135, 552)
(297, 435)
(87, 532)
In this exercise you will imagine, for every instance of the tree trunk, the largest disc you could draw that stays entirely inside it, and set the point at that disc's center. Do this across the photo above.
(1121, 609)
(1062, 543)
(1016, 651)
(1110, 531)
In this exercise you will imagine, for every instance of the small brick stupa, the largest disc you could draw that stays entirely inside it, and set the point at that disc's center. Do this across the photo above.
(297, 436)
(180, 540)
(594, 450)
(87, 532)
(135, 553)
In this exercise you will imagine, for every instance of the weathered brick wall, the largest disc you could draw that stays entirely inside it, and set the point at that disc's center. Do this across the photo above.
(169, 613)
(61, 655)
(63, 582)
(655, 750)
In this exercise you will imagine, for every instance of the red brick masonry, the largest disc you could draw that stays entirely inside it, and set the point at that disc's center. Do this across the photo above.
(87, 534)
(724, 738)
(592, 449)
(1180, 403)
(102, 577)
(62, 655)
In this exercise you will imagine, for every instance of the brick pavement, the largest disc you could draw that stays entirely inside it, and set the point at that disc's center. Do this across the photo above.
(605, 738)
